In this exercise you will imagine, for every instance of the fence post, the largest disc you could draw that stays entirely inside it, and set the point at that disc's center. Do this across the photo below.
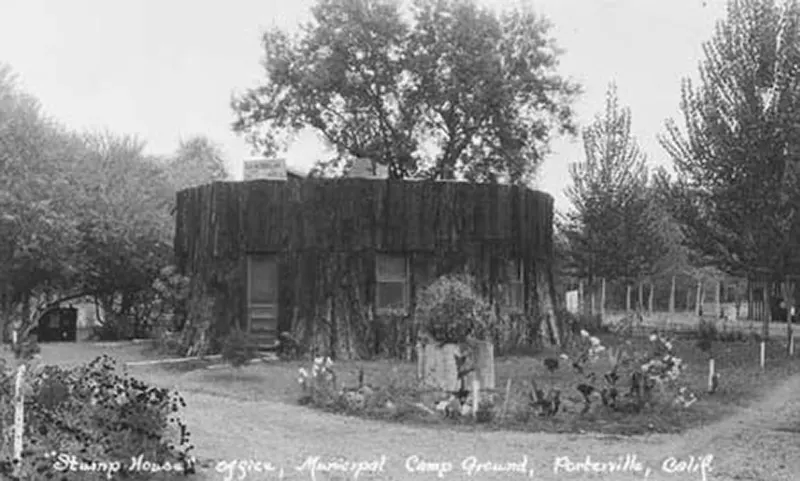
(717, 299)
(628, 298)
(672, 296)
(641, 296)
(650, 298)
(698, 308)
(603, 298)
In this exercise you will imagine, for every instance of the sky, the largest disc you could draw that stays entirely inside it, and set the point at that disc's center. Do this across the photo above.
(166, 70)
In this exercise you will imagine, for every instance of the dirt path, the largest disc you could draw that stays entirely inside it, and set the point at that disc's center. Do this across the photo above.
(749, 446)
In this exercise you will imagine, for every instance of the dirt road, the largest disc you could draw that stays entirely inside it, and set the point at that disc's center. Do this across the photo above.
(757, 444)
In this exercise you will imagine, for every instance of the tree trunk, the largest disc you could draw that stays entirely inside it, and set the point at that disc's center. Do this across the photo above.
(767, 313)
(788, 296)
(672, 296)
(334, 331)
(436, 365)
(688, 299)
(628, 290)
(650, 298)
(749, 299)
(592, 308)
(718, 300)
(641, 296)
(698, 307)
(484, 364)
(603, 298)
(581, 300)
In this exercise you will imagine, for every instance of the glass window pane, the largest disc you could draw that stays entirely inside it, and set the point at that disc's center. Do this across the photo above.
(391, 268)
(263, 280)
(391, 295)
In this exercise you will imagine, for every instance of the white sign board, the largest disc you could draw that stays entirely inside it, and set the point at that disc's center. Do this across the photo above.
(268, 169)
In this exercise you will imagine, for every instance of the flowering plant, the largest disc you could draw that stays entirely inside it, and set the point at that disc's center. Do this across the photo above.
(322, 369)
(662, 365)
(586, 351)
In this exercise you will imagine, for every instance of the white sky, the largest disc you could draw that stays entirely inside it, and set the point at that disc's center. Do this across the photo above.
(165, 69)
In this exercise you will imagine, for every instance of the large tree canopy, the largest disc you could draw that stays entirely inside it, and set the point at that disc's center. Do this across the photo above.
(449, 89)
(85, 213)
(737, 189)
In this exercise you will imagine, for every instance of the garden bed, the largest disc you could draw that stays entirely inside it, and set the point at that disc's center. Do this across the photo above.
(741, 382)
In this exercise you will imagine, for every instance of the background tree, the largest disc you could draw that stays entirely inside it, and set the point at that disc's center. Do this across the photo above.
(452, 89)
(37, 226)
(82, 214)
(737, 160)
(197, 161)
(611, 228)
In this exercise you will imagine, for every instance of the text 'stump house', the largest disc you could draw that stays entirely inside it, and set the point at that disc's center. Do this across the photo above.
(336, 262)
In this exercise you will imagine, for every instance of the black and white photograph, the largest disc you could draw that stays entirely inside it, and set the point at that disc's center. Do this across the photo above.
(399, 240)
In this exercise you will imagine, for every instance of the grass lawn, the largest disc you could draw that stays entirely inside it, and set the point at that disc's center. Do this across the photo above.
(741, 382)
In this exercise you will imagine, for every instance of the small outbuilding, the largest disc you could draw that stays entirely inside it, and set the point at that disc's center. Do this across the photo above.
(337, 262)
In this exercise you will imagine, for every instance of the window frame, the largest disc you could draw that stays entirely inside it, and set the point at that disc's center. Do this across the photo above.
(405, 282)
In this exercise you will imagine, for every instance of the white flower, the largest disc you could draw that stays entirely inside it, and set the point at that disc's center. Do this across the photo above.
(595, 341)
(328, 362)
(441, 406)
(564, 357)
(667, 358)
(319, 361)
(303, 372)
(668, 345)
(599, 348)
(653, 337)
(584, 333)
(301, 380)
(465, 410)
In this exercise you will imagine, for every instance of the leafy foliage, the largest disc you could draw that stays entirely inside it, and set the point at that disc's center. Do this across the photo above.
(450, 310)
(478, 89)
(616, 229)
(87, 213)
(737, 190)
(238, 348)
(96, 414)
(196, 162)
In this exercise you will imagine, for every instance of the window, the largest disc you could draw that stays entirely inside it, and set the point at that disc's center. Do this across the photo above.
(514, 289)
(391, 289)
(262, 295)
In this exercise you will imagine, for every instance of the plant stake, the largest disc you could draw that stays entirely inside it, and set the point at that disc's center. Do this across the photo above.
(711, 375)
(505, 401)
(763, 353)
(476, 392)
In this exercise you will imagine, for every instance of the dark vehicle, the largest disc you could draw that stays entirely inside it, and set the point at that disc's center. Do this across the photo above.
(58, 324)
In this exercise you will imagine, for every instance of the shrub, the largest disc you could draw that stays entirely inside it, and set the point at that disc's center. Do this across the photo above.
(94, 414)
(706, 335)
(450, 310)
(114, 328)
(237, 349)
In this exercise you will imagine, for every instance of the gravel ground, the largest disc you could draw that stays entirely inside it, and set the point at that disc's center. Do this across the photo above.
(757, 444)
